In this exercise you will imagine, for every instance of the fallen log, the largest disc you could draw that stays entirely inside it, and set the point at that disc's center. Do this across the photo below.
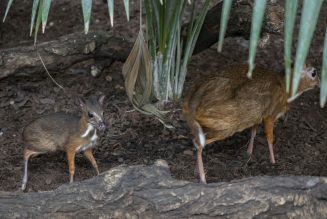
(64, 52)
(151, 192)
(77, 47)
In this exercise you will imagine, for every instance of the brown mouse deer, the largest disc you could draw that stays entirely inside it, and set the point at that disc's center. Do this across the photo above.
(230, 102)
(65, 132)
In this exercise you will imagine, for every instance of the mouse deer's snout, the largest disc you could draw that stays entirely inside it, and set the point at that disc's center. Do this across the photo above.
(103, 126)
(96, 120)
(93, 110)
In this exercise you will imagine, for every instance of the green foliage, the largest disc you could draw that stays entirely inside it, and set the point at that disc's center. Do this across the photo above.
(40, 9)
(45, 13)
(257, 18)
(7, 9)
(290, 15)
(227, 4)
(111, 11)
(126, 5)
(87, 8)
(309, 17)
(169, 53)
(323, 91)
(34, 10)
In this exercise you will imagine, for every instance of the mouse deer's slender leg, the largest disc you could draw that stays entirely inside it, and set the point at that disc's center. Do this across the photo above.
(27, 155)
(71, 164)
(199, 164)
(269, 130)
(89, 155)
(250, 147)
(199, 143)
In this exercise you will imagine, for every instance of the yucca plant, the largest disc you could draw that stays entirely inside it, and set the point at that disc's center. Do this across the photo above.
(170, 54)
(160, 76)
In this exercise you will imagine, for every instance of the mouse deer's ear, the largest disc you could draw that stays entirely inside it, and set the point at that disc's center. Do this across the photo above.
(101, 99)
(81, 102)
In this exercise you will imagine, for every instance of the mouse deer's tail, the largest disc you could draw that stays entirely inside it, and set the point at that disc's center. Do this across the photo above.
(199, 136)
(196, 129)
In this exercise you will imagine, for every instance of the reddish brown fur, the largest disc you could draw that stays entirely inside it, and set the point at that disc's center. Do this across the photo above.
(230, 102)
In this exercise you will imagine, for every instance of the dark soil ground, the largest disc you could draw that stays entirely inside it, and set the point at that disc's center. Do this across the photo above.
(132, 138)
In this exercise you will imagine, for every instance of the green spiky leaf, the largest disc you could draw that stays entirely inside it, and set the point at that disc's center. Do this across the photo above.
(45, 13)
(126, 5)
(290, 15)
(323, 89)
(309, 17)
(190, 44)
(7, 9)
(223, 22)
(38, 21)
(111, 11)
(34, 11)
(86, 7)
(257, 18)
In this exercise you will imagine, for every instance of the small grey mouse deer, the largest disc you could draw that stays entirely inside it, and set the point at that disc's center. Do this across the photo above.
(65, 132)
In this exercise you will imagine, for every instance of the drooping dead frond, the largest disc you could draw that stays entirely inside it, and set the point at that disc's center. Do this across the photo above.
(137, 72)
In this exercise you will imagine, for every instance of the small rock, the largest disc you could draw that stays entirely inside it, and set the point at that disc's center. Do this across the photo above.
(188, 152)
(89, 48)
(48, 181)
(120, 160)
(108, 78)
(95, 72)
(161, 163)
(118, 87)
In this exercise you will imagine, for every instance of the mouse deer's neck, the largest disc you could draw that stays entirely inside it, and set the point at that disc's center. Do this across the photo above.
(290, 97)
(83, 123)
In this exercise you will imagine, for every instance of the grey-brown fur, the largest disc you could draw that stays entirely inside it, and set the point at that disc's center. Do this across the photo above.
(65, 132)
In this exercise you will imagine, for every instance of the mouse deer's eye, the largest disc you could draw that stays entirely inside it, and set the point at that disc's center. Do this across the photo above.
(314, 73)
(90, 115)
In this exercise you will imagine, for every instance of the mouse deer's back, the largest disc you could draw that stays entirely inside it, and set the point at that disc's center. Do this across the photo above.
(49, 133)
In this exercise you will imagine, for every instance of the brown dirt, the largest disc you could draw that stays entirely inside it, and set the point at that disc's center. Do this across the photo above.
(300, 141)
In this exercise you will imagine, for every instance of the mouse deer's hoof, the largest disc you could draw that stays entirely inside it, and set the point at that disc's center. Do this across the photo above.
(203, 181)
(23, 187)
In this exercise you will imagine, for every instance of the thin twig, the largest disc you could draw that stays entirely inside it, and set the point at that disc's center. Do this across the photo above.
(46, 70)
